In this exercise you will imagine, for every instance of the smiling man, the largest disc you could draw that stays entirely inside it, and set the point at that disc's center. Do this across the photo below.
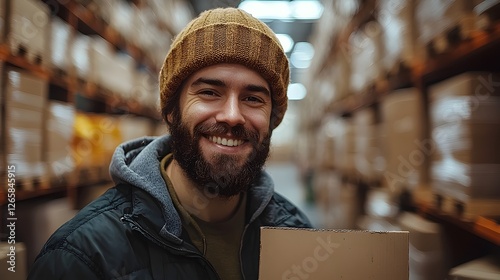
(190, 205)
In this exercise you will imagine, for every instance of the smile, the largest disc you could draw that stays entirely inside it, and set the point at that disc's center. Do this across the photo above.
(225, 142)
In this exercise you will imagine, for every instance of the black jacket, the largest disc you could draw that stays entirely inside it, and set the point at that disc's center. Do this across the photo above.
(133, 231)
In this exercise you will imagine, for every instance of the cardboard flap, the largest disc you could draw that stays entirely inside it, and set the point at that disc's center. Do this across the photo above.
(295, 254)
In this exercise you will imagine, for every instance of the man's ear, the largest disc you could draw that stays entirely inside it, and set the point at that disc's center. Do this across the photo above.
(169, 117)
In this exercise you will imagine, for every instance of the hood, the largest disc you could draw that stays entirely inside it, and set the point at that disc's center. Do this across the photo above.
(137, 163)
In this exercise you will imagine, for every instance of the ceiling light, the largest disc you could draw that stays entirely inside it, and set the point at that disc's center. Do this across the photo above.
(286, 42)
(283, 10)
(306, 9)
(296, 91)
(302, 55)
(267, 9)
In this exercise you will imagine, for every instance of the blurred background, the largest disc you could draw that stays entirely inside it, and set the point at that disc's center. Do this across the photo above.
(393, 119)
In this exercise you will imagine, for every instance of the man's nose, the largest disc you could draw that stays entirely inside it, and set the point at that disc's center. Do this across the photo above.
(230, 112)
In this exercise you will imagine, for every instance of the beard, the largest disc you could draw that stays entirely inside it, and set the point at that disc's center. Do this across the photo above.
(222, 175)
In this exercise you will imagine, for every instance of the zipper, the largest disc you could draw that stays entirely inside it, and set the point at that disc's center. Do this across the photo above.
(137, 227)
(241, 250)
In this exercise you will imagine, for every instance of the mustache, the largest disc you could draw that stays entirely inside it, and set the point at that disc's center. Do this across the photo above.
(238, 131)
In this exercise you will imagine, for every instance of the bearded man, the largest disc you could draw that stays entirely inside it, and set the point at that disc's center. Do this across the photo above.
(190, 205)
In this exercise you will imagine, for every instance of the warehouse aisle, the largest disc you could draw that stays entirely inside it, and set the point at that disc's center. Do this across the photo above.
(287, 183)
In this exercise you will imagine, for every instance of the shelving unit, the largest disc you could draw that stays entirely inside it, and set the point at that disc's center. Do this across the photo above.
(477, 53)
(68, 88)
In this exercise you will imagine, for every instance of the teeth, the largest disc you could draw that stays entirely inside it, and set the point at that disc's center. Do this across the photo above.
(225, 142)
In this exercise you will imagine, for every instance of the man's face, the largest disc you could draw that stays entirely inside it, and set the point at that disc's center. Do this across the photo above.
(221, 133)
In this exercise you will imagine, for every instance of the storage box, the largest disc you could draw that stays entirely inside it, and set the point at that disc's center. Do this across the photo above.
(427, 249)
(485, 268)
(366, 53)
(396, 18)
(404, 147)
(61, 35)
(59, 156)
(25, 99)
(444, 22)
(291, 253)
(29, 29)
(81, 57)
(111, 70)
(369, 162)
(465, 125)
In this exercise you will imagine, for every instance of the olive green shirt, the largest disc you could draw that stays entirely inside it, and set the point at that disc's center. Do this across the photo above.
(218, 242)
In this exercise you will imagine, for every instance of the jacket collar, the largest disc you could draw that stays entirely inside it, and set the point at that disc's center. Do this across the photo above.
(137, 163)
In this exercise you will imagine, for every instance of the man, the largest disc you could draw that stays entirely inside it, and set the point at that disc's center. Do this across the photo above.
(190, 206)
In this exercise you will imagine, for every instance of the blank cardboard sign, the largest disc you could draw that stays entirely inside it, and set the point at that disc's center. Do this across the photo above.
(297, 254)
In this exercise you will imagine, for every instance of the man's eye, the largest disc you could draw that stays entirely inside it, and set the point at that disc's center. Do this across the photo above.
(207, 92)
(254, 99)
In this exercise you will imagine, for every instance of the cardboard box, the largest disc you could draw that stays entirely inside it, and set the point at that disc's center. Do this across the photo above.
(486, 268)
(404, 147)
(29, 29)
(291, 253)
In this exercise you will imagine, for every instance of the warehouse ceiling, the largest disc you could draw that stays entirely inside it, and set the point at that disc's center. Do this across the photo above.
(298, 30)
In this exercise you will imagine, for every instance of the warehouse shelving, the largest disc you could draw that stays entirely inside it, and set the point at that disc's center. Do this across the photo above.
(479, 52)
(67, 87)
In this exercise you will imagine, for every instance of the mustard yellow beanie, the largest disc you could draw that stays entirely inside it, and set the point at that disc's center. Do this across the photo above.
(226, 35)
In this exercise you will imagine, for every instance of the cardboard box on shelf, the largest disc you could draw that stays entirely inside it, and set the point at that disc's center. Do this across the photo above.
(404, 147)
(29, 30)
(486, 268)
(292, 253)
(25, 99)
(464, 123)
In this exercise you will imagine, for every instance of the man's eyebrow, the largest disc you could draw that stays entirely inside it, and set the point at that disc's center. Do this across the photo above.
(213, 82)
(257, 88)
(220, 83)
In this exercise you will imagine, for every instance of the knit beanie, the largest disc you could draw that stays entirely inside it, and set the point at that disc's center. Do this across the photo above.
(226, 35)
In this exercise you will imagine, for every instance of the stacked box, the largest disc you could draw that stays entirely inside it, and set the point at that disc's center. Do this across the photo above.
(134, 127)
(366, 53)
(484, 268)
(435, 18)
(25, 98)
(113, 71)
(396, 18)
(30, 29)
(81, 57)
(404, 147)
(61, 34)
(325, 144)
(146, 90)
(368, 155)
(59, 156)
(344, 147)
(465, 126)
(176, 14)
(122, 19)
(427, 249)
